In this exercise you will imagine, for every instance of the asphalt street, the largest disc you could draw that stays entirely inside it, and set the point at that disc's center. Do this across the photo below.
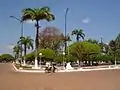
(93, 80)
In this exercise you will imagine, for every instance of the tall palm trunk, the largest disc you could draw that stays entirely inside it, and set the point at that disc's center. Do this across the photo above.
(36, 44)
(115, 59)
(25, 51)
(77, 38)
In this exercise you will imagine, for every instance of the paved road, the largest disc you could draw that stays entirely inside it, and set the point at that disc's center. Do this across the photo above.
(5, 68)
(94, 80)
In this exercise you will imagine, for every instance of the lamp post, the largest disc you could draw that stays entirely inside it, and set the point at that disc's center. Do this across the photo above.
(68, 38)
(40, 54)
(21, 22)
(66, 28)
(63, 58)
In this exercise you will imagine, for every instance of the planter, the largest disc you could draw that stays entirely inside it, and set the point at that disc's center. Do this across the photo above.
(20, 68)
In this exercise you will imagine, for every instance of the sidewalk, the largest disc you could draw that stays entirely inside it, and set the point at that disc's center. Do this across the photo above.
(78, 70)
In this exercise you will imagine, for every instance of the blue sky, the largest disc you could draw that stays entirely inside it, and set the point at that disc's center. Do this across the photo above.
(98, 18)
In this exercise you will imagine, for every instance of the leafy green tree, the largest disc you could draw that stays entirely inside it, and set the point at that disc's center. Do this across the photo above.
(84, 50)
(70, 58)
(37, 14)
(30, 56)
(106, 49)
(105, 58)
(79, 34)
(90, 50)
(117, 40)
(59, 58)
(48, 54)
(7, 58)
(27, 42)
(76, 49)
(115, 47)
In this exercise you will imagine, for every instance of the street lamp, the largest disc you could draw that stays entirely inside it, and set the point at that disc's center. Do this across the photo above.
(66, 28)
(63, 53)
(63, 58)
(40, 54)
(20, 22)
(21, 30)
(68, 37)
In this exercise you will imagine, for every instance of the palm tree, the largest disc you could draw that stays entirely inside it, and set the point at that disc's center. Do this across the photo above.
(17, 50)
(27, 42)
(37, 14)
(79, 34)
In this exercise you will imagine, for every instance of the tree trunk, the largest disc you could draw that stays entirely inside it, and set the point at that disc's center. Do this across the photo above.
(77, 38)
(36, 44)
(25, 50)
(115, 60)
(65, 48)
(89, 62)
(79, 63)
(85, 62)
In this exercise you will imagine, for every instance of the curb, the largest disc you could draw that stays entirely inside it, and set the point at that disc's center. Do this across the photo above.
(18, 70)
(61, 71)
(14, 67)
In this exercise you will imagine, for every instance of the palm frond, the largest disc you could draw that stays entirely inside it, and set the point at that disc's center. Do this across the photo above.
(50, 17)
(28, 13)
(37, 14)
(74, 32)
(45, 8)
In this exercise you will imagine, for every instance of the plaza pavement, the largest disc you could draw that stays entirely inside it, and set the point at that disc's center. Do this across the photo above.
(93, 80)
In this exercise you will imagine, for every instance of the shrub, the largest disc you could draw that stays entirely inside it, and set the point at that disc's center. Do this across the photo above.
(30, 56)
(71, 58)
(48, 54)
(59, 58)
(105, 58)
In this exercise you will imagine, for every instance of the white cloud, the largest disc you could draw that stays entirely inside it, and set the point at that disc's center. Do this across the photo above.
(6, 49)
(30, 21)
(86, 20)
(10, 46)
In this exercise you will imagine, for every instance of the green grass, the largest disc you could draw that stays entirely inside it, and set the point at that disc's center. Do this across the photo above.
(26, 67)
